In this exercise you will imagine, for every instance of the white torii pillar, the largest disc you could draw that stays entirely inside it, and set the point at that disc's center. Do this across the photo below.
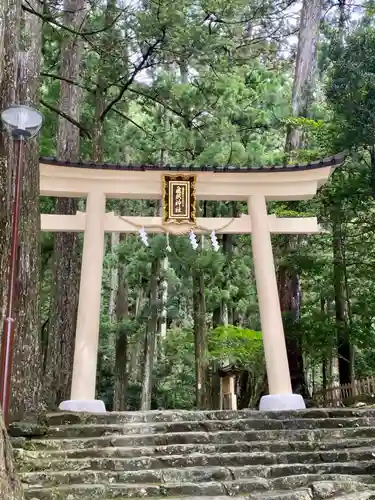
(88, 318)
(280, 395)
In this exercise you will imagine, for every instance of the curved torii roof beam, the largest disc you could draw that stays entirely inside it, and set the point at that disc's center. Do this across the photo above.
(291, 182)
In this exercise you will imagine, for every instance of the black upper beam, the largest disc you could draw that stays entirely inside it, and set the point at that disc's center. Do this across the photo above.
(331, 161)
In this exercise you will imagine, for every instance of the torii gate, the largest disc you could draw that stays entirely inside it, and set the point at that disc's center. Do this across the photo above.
(256, 186)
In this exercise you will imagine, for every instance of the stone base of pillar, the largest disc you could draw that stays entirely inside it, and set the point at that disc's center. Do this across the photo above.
(83, 406)
(281, 402)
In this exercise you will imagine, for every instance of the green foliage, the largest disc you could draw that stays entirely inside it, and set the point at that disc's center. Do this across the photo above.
(351, 89)
(232, 345)
(174, 373)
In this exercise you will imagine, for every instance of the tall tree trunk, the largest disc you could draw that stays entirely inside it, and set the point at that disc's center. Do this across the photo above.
(105, 74)
(26, 383)
(121, 356)
(115, 240)
(200, 339)
(164, 299)
(221, 314)
(344, 348)
(217, 320)
(302, 96)
(150, 338)
(104, 71)
(342, 16)
(305, 70)
(202, 387)
(324, 360)
(135, 349)
(289, 293)
(10, 486)
(9, 39)
(98, 126)
(165, 261)
(65, 292)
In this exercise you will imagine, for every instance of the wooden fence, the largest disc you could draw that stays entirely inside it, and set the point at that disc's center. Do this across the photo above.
(358, 390)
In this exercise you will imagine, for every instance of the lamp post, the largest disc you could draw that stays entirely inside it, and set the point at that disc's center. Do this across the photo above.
(22, 123)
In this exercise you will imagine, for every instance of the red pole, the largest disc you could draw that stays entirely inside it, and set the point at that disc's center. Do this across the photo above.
(7, 341)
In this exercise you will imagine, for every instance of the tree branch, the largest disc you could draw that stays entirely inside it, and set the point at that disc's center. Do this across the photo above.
(158, 101)
(67, 117)
(67, 80)
(173, 150)
(51, 20)
(120, 113)
(137, 69)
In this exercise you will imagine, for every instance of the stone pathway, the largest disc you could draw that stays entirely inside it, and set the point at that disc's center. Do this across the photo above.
(309, 455)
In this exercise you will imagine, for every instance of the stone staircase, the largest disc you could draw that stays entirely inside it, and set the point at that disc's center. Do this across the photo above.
(313, 454)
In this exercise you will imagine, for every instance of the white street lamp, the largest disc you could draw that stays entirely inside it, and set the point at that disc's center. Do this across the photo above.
(22, 121)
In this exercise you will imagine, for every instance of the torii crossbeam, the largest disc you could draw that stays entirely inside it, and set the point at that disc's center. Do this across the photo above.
(221, 225)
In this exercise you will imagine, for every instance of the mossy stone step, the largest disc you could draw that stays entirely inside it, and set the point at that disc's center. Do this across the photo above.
(280, 495)
(335, 484)
(328, 489)
(186, 449)
(310, 435)
(192, 474)
(63, 418)
(298, 495)
(195, 460)
(364, 495)
(208, 426)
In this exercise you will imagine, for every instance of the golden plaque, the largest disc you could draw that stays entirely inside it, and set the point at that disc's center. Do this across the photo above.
(179, 199)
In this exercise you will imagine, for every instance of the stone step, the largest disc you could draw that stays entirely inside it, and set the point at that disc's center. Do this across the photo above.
(256, 486)
(307, 495)
(106, 438)
(201, 474)
(152, 463)
(186, 449)
(63, 418)
(328, 489)
(304, 494)
(297, 495)
(275, 495)
(364, 495)
(90, 430)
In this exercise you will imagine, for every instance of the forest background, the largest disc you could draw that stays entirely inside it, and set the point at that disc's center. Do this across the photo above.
(234, 82)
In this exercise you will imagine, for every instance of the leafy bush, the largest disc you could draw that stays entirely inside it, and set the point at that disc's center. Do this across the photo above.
(242, 348)
(232, 345)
